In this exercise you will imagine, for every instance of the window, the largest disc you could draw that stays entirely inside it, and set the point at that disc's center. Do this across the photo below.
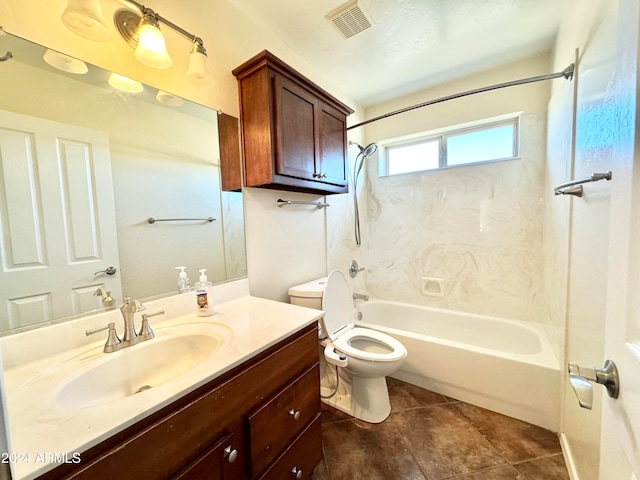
(489, 141)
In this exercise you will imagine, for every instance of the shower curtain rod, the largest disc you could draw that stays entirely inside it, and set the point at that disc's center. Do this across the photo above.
(567, 73)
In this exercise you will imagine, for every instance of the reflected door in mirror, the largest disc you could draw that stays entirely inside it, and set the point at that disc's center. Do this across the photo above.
(57, 220)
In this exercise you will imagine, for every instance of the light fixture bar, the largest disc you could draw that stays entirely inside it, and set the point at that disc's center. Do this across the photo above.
(168, 23)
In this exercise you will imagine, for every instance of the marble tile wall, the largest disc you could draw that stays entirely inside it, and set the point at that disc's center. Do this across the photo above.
(478, 228)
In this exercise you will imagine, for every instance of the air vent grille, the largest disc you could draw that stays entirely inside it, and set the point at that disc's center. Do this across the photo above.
(351, 18)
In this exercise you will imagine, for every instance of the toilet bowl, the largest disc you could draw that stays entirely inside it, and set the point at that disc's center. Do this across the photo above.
(362, 357)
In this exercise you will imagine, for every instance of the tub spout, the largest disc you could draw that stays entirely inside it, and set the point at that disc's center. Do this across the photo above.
(360, 296)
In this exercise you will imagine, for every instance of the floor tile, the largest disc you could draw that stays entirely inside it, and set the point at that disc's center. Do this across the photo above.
(356, 450)
(404, 395)
(330, 414)
(444, 442)
(548, 468)
(505, 472)
(516, 440)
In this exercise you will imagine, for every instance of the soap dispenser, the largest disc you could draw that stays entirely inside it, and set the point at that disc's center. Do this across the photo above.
(183, 280)
(203, 287)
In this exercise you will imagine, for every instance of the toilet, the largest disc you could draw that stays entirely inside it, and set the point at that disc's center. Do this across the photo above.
(362, 357)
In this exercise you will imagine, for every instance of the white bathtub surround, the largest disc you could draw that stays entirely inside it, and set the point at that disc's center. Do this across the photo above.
(479, 228)
(40, 422)
(503, 365)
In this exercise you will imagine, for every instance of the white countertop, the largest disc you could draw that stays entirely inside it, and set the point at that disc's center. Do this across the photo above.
(40, 427)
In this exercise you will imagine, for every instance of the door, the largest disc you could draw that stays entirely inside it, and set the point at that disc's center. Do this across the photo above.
(332, 145)
(620, 445)
(296, 130)
(57, 220)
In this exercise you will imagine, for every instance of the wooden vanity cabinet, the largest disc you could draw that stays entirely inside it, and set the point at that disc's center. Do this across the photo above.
(294, 133)
(261, 417)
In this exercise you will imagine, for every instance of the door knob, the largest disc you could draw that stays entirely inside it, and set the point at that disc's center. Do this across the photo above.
(580, 377)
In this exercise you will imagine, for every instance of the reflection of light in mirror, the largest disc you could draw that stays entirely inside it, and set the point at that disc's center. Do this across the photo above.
(169, 99)
(65, 62)
(124, 84)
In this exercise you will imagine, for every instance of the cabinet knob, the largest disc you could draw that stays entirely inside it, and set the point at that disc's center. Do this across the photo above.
(295, 414)
(230, 454)
(296, 472)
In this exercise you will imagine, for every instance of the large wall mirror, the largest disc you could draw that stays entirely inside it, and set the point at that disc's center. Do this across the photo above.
(83, 167)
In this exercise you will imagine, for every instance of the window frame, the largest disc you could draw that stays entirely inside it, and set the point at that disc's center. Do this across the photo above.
(441, 135)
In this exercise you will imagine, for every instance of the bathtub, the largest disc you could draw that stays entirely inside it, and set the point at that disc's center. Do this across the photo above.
(506, 366)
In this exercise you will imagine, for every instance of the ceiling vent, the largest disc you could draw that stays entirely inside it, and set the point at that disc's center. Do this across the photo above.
(351, 18)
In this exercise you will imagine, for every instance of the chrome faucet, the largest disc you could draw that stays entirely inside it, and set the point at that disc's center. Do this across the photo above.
(128, 310)
(361, 296)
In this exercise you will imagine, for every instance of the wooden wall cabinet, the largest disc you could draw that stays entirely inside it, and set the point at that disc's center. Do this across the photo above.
(258, 420)
(293, 133)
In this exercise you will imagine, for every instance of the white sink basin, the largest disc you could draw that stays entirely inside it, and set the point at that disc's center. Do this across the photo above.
(132, 370)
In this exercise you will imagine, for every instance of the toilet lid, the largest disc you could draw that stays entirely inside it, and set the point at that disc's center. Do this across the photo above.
(337, 304)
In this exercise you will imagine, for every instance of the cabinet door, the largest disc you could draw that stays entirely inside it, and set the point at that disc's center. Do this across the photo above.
(296, 130)
(333, 141)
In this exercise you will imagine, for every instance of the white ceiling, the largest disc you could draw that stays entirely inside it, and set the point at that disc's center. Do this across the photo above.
(414, 44)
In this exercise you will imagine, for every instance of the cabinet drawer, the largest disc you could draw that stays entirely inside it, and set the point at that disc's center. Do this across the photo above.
(299, 460)
(277, 422)
(216, 463)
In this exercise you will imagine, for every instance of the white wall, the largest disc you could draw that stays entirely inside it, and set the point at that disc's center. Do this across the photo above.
(477, 227)
(592, 30)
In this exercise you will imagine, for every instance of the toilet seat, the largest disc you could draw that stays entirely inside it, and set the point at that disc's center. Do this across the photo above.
(343, 344)
(337, 302)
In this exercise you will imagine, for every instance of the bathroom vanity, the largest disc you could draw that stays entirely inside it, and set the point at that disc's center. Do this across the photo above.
(294, 133)
(249, 410)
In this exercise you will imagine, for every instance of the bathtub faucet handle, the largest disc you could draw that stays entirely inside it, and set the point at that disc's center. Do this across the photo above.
(580, 377)
(361, 296)
(354, 269)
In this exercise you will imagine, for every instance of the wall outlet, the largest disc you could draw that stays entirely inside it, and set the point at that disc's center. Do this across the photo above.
(432, 287)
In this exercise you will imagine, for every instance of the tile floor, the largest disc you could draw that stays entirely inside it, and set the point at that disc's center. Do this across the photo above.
(430, 436)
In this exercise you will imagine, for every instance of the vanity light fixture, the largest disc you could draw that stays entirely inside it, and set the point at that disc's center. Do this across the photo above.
(65, 62)
(124, 84)
(134, 28)
(84, 18)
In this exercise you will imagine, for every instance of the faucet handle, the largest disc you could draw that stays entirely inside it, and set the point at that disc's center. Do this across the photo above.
(145, 330)
(112, 337)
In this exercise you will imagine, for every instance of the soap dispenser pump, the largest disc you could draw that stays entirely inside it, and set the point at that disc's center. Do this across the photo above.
(203, 307)
(183, 280)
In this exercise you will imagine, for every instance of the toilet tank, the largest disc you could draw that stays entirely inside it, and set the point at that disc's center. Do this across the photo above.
(308, 294)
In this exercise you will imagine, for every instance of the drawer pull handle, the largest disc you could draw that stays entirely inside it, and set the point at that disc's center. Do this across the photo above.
(230, 454)
(295, 414)
(296, 472)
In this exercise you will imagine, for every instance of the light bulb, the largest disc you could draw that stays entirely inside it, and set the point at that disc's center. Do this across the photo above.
(151, 49)
(198, 72)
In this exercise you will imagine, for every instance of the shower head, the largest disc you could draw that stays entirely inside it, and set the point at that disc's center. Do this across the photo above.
(367, 151)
